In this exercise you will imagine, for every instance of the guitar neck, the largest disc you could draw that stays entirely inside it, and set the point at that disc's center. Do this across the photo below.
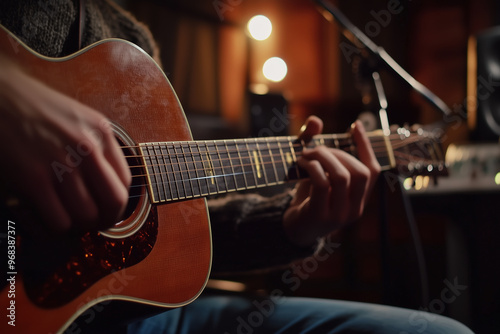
(191, 169)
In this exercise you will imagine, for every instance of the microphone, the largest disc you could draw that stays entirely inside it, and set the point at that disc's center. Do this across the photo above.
(368, 49)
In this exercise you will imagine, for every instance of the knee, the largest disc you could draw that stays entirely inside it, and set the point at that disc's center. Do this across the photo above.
(430, 323)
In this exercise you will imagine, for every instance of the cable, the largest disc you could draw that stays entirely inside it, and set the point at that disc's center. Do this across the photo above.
(419, 252)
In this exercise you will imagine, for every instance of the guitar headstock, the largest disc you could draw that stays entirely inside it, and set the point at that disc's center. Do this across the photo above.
(417, 152)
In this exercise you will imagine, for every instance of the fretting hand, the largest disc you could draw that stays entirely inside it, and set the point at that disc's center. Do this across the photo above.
(337, 188)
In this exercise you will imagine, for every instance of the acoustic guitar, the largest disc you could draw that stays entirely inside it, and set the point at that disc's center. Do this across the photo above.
(159, 256)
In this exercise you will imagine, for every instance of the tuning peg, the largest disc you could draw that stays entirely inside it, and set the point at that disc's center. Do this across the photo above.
(404, 132)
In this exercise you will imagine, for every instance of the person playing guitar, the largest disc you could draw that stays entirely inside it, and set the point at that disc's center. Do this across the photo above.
(62, 159)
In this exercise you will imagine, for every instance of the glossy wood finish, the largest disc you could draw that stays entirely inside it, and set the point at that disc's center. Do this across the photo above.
(172, 263)
(120, 80)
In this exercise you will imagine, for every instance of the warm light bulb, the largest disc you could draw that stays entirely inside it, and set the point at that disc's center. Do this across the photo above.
(260, 27)
(275, 69)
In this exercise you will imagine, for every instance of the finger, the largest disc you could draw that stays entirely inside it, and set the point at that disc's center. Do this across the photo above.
(312, 211)
(33, 182)
(365, 151)
(312, 127)
(114, 154)
(302, 191)
(360, 183)
(48, 204)
(77, 200)
(338, 177)
(319, 185)
(104, 184)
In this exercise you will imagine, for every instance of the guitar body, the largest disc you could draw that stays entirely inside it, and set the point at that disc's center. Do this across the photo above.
(160, 255)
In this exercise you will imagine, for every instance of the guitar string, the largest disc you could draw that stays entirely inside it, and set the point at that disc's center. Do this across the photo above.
(223, 153)
(268, 166)
(214, 143)
(190, 159)
(180, 145)
(394, 138)
(216, 169)
(184, 156)
(194, 161)
(293, 141)
(223, 164)
(204, 189)
(402, 157)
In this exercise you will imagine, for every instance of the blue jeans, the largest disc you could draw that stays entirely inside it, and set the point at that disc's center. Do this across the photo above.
(279, 314)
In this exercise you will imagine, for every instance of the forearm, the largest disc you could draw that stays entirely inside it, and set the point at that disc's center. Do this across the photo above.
(248, 233)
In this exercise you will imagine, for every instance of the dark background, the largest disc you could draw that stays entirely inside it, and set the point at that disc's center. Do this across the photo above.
(211, 63)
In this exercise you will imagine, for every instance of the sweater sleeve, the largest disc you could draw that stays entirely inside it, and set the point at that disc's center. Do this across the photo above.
(248, 233)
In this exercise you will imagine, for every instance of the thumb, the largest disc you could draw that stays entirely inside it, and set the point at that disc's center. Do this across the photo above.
(312, 127)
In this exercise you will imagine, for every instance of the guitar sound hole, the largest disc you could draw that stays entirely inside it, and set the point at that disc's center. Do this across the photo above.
(58, 270)
(138, 204)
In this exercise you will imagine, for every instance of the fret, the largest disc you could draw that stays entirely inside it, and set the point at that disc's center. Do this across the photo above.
(286, 159)
(328, 142)
(331, 141)
(294, 173)
(173, 171)
(315, 142)
(210, 173)
(336, 142)
(242, 180)
(158, 177)
(184, 170)
(263, 159)
(227, 165)
(383, 153)
(194, 178)
(201, 174)
(273, 153)
(267, 161)
(246, 162)
(155, 183)
(251, 158)
(389, 153)
(236, 164)
(146, 157)
(162, 173)
(221, 178)
(256, 162)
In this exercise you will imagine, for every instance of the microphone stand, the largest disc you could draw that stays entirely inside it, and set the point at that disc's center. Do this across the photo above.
(362, 42)
(373, 56)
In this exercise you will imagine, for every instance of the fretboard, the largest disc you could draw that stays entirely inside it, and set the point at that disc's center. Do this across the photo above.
(191, 169)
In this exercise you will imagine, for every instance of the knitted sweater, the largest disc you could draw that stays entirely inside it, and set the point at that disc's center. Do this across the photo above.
(247, 229)
(51, 26)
